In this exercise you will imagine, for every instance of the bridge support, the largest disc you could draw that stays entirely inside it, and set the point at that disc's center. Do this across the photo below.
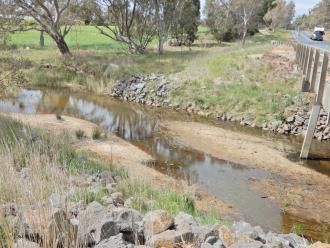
(310, 131)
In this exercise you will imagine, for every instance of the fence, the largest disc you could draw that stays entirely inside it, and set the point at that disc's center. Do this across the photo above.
(314, 64)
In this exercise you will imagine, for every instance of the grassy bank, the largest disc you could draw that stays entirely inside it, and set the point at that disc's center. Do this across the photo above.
(213, 77)
(241, 83)
(38, 165)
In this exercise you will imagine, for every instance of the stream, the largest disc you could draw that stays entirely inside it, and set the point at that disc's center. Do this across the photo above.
(141, 126)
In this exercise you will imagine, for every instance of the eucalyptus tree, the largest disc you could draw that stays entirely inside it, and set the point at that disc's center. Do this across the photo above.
(280, 14)
(54, 17)
(128, 21)
(185, 25)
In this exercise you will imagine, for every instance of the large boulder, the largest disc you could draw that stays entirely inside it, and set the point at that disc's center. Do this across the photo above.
(156, 222)
(169, 239)
(244, 228)
(114, 242)
(130, 223)
(295, 240)
(95, 224)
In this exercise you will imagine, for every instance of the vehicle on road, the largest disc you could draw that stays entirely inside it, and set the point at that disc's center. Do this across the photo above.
(318, 34)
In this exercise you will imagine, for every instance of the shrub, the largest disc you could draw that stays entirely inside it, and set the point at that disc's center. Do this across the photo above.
(97, 134)
(80, 134)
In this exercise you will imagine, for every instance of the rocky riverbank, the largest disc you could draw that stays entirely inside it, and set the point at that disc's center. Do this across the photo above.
(111, 222)
(155, 90)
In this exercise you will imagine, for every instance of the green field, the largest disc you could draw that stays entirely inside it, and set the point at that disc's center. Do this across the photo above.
(80, 37)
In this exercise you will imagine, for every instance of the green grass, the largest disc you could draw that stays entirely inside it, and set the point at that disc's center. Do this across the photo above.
(80, 37)
(88, 196)
(146, 198)
(240, 85)
(216, 78)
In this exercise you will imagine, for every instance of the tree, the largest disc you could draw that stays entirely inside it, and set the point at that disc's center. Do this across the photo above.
(186, 24)
(319, 15)
(231, 18)
(54, 17)
(246, 14)
(280, 15)
(127, 21)
(166, 15)
(219, 21)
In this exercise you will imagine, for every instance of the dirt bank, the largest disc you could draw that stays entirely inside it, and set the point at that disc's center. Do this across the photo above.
(301, 192)
(123, 154)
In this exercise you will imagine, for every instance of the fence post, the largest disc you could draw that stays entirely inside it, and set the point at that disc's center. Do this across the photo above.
(315, 69)
(316, 109)
(310, 131)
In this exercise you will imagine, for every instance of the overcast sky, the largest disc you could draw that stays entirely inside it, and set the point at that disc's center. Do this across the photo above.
(302, 6)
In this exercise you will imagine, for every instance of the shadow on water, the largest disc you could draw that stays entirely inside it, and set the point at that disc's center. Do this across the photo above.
(140, 126)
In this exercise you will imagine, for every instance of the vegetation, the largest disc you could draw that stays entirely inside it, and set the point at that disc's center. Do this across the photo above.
(97, 134)
(146, 198)
(80, 134)
(228, 20)
(318, 16)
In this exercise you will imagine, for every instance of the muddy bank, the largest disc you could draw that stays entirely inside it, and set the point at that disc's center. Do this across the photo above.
(123, 154)
(303, 192)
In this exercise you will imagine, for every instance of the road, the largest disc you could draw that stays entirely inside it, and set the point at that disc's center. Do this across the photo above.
(304, 38)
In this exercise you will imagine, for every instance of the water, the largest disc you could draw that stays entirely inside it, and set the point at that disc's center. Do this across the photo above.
(140, 126)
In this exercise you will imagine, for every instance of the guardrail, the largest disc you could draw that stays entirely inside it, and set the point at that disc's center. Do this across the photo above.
(314, 64)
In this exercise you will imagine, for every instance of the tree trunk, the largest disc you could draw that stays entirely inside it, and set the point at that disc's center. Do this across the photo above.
(62, 46)
(160, 44)
(42, 39)
(244, 37)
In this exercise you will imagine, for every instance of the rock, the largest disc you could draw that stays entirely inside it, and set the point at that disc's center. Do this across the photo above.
(274, 241)
(110, 69)
(184, 222)
(211, 240)
(202, 233)
(128, 203)
(107, 201)
(254, 244)
(95, 224)
(320, 245)
(295, 240)
(23, 243)
(275, 125)
(290, 119)
(156, 222)
(226, 236)
(130, 223)
(169, 239)
(115, 242)
(118, 198)
(255, 233)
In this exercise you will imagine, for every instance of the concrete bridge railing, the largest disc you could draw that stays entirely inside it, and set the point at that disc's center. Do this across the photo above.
(314, 65)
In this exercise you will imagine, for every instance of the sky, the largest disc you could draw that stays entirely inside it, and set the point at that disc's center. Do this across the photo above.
(302, 6)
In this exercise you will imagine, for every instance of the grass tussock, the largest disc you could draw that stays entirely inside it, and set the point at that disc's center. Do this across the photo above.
(146, 198)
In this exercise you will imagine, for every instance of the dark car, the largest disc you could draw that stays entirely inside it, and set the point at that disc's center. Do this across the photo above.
(318, 35)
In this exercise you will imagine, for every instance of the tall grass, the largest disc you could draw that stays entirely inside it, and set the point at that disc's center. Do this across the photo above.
(145, 197)
(33, 166)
